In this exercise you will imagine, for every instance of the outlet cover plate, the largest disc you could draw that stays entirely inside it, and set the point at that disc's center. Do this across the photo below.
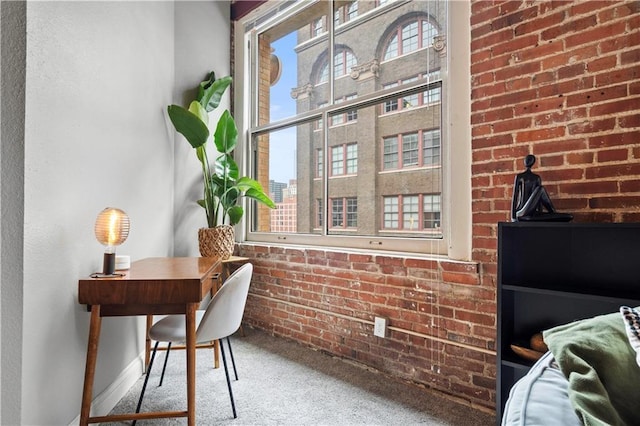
(380, 327)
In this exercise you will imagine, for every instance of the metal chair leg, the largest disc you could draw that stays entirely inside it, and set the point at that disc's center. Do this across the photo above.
(226, 372)
(146, 379)
(164, 367)
(233, 361)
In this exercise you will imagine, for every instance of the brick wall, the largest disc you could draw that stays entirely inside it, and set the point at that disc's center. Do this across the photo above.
(560, 80)
(442, 320)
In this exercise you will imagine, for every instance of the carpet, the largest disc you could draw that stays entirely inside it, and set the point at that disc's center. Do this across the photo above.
(284, 383)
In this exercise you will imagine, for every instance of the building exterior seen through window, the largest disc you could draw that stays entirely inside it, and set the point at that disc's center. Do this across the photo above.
(361, 146)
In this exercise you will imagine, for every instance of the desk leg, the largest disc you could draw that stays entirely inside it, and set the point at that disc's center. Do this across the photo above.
(216, 354)
(147, 342)
(90, 367)
(191, 363)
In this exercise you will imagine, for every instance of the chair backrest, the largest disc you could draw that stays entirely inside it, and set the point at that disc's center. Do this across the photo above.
(223, 316)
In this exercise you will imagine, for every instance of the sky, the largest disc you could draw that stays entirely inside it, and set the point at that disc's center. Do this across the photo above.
(282, 167)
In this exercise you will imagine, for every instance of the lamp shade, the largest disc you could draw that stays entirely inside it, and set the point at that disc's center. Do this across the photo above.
(112, 227)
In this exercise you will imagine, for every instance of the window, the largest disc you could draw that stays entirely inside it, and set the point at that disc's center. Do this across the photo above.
(344, 159)
(344, 208)
(318, 123)
(343, 61)
(319, 213)
(412, 212)
(409, 37)
(345, 117)
(352, 11)
(337, 161)
(410, 150)
(345, 13)
(432, 96)
(352, 159)
(431, 147)
(340, 135)
(390, 153)
(391, 105)
(412, 144)
(352, 212)
(427, 98)
(391, 213)
(317, 27)
(431, 211)
(320, 162)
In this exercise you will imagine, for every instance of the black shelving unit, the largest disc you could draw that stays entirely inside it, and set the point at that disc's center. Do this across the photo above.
(553, 273)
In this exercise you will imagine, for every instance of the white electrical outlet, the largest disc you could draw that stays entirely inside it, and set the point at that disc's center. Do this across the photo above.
(380, 327)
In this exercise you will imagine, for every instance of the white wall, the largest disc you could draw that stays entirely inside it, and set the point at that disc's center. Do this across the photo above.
(98, 78)
(192, 67)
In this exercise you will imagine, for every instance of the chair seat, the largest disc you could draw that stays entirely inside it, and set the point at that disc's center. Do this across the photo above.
(172, 328)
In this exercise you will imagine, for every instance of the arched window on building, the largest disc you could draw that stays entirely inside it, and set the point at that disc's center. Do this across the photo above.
(343, 61)
(410, 36)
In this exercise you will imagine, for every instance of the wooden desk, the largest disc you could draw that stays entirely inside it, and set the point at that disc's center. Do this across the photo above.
(154, 286)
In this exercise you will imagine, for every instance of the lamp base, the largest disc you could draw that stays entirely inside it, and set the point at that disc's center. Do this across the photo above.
(108, 267)
(109, 263)
(101, 275)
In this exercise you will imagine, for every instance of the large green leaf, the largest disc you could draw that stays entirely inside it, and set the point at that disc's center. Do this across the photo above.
(196, 109)
(212, 94)
(260, 196)
(235, 214)
(226, 168)
(204, 85)
(189, 125)
(226, 134)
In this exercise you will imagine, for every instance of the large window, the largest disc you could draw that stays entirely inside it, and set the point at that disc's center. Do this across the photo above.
(362, 145)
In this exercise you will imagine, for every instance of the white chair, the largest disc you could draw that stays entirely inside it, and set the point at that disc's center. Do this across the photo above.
(218, 321)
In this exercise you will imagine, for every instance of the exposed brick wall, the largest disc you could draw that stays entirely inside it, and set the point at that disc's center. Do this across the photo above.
(442, 321)
(560, 80)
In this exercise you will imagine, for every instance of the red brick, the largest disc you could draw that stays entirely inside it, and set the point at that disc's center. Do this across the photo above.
(614, 139)
(617, 76)
(580, 157)
(568, 27)
(612, 155)
(609, 171)
(598, 95)
(615, 107)
(597, 33)
(540, 134)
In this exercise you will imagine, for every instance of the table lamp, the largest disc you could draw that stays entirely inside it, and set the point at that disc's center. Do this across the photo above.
(112, 229)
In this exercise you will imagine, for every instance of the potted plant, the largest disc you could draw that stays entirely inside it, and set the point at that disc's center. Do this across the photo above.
(223, 185)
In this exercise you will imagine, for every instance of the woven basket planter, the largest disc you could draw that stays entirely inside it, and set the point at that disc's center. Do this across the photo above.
(216, 242)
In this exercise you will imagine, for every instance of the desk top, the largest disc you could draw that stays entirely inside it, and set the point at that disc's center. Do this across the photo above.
(153, 281)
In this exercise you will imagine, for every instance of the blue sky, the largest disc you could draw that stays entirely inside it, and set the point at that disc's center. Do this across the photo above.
(282, 166)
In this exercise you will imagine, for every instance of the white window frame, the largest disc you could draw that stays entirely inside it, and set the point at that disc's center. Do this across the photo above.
(456, 145)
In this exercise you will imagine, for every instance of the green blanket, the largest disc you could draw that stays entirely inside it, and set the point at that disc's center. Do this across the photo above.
(597, 359)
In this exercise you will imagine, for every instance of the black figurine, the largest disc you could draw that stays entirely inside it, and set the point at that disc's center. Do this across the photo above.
(531, 201)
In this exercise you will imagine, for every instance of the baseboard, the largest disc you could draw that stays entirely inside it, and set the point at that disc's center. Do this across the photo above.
(104, 403)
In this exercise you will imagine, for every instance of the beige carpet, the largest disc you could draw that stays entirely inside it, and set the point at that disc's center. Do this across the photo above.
(284, 383)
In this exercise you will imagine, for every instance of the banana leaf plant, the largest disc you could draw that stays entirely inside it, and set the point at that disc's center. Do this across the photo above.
(223, 185)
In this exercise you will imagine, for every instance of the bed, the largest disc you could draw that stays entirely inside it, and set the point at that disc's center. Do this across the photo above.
(589, 376)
